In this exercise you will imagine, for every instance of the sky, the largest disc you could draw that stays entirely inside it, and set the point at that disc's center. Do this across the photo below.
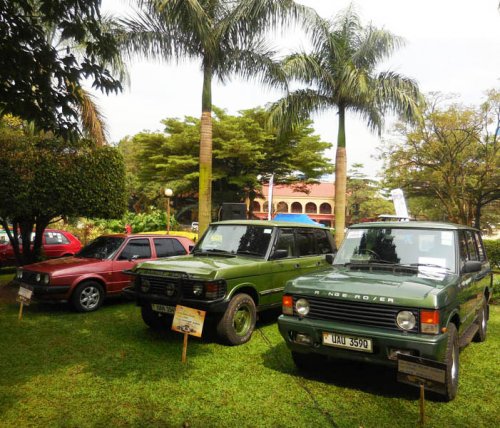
(451, 46)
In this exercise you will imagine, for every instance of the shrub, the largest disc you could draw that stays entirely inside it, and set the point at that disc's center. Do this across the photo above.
(493, 252)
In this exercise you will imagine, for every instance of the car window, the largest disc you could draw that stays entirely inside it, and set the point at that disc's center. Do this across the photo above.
(471, 245)
(286, 241)
(136, 248)
(323, 244)
(53, 238)
(480, 249)
(166, 247)
(305, 242)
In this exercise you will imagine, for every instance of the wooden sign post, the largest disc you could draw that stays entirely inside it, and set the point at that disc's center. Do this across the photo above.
(188, 321)
(24, 298)
(423, 373)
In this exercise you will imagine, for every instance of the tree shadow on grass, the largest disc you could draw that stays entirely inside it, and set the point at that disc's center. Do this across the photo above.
(373, 379)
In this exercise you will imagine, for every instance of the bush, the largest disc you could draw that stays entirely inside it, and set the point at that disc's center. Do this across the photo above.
(493, 252)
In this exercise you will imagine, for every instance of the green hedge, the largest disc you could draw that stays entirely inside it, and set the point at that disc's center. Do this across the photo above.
(493, 252)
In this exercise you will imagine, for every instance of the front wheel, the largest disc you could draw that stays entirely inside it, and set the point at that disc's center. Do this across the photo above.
(155, 320)
(452, 363)
(88, 296)
(238, 322)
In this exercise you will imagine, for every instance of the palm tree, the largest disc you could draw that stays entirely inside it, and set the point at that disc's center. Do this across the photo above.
(340, 73)
(226, 37)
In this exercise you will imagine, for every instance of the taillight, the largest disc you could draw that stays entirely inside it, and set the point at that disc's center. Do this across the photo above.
(429, 322)
(287, 306)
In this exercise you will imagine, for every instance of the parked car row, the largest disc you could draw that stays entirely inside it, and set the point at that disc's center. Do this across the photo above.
(96, 271)
(55, 243)
(394, 288)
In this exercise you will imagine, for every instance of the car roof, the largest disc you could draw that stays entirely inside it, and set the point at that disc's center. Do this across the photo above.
(270, 223)
(412, 225)
(142, 235)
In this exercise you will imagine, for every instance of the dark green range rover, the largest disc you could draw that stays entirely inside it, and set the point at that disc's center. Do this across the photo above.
(237, 268)
(416, 288)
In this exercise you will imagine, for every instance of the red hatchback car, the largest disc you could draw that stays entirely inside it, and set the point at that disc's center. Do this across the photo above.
(97, 270)
(55, 243)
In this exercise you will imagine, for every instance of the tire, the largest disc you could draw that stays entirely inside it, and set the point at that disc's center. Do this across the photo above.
(155, 320)
(452, 361)
(482, 321)
(238, 322)
(88, 296)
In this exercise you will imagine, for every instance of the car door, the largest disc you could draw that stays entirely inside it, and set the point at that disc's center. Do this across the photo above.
(135, 250)
(168, 247)
(471, 284)
(54, 244)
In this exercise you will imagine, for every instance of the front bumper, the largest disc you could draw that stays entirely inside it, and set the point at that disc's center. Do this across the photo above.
(385, 343)
(141, 299)
(49, 292)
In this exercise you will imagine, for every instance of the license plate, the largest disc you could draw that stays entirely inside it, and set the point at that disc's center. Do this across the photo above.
(163, 308)
(347, 342)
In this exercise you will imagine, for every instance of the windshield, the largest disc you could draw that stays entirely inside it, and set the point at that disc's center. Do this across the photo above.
(236, 239)
(415, 247)
(103, 247)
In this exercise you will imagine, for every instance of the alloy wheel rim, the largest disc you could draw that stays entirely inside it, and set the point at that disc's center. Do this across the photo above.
(242, 320)
(89, 298)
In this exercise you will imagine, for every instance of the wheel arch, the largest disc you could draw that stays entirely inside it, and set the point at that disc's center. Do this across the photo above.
(246, 289)
(79, 281)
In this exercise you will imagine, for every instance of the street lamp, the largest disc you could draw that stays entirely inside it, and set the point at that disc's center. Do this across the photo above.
(168, 194)
(269, 195)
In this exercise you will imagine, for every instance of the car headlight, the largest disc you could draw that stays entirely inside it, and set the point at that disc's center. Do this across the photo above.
(302, 307)
(406, 320)
(198, 289)
(170, 289)
(45, 279)
(19, 274)
(145, 285)
(38, 277)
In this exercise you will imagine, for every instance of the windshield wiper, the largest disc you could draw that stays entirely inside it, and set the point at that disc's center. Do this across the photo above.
(428, 265)
(214, 252)
(249, 252)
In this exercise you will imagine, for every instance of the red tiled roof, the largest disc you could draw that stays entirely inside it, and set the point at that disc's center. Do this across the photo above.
(320, 190)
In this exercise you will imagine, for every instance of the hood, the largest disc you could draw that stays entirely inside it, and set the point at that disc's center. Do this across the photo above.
(206, 267)
(384, 288)
(66, 265)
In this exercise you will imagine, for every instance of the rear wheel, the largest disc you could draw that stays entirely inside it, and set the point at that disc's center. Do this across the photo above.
(452, 363)
(482, 322)
(238, 322)
(155, 320)
(88, 296)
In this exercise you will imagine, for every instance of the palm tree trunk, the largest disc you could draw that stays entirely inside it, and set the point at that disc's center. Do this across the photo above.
(205, 183)
(340, 180)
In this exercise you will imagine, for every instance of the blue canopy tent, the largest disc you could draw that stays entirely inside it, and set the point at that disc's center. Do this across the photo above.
(296, 218)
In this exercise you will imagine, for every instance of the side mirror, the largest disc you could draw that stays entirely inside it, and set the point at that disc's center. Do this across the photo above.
(133, 258)
(329, 258)
(472, 266)
(279, 254)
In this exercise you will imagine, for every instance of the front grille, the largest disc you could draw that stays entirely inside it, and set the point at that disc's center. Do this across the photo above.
(182, 287)
(29, 277)
(359, 313)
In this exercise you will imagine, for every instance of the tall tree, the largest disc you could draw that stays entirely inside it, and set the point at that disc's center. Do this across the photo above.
(243, 148)
(453, 155)
(226, 37)
(40, 83)
(341, 73)
(43, 179)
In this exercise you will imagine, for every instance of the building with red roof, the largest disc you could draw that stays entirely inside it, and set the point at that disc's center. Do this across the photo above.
(315, 200)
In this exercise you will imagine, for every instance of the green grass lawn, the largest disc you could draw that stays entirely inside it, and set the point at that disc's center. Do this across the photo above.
(60, 368)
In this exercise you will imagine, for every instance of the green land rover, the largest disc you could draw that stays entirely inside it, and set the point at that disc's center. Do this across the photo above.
(237, 268)
(414, 288)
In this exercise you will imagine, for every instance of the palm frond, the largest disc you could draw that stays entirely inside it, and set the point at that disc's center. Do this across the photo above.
(93, 122)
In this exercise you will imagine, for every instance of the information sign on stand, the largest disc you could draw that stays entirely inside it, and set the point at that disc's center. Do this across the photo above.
(188, 321)
(24, 297)
(423, 373)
